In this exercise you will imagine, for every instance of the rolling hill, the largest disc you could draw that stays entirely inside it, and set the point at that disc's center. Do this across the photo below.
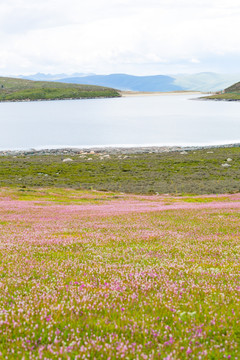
(13, 89)
(235, 88)
(204, 81)
(232, 93)
(128, 82)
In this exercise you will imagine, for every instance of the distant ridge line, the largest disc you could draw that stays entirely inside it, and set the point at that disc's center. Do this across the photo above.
(204, 81)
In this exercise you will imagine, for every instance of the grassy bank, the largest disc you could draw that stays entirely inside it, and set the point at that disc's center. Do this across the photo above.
(193, 172)
(232, 93)
(226, 96)
(12, 89)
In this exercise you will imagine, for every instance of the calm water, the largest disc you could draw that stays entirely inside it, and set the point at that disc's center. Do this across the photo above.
(145, 120)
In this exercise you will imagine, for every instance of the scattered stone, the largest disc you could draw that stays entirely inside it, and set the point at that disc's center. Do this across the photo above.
(114, 150)
(226, 165)
(229, 159)
(89, 158)
(67, 160)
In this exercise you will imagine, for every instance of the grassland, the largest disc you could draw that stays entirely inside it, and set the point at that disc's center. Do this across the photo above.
(88, 274)
(12, 89)
(206, 171)
(92, 275)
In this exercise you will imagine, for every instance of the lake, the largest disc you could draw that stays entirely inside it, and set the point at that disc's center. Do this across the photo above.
(143, 120)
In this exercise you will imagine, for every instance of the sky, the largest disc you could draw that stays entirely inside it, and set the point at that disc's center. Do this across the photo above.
(140, 37)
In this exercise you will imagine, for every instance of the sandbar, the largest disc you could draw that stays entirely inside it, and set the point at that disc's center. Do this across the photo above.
(158, 93)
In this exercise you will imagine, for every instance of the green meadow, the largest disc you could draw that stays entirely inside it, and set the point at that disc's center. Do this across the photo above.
(206, 171)
(92, 275)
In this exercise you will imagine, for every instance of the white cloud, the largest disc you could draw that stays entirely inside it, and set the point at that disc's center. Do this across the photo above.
(122, 35)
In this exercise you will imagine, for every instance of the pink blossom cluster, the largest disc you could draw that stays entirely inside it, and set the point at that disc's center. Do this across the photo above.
(134, 277)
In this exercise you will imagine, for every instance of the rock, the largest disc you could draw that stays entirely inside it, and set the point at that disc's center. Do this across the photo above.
(229, 159)
(183, 152)
(67, 160)
(226, 165)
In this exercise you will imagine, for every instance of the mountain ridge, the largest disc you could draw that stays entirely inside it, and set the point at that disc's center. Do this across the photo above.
(204, 81)
(128, 82)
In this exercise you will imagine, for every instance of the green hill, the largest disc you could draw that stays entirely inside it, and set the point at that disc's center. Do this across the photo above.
(235, 88)
(12, 89)
(232, 93)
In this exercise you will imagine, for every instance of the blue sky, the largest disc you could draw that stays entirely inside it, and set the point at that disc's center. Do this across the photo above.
(111, 36)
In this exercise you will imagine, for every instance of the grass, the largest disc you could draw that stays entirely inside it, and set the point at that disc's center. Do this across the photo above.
(58, 195)
(226, 96)
(197, 172)
(89, 274)
(122, 279)
(19, 90)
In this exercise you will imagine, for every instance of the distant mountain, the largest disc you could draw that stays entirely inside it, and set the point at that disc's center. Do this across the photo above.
(50, 77)
(128, 82)
(206, 81)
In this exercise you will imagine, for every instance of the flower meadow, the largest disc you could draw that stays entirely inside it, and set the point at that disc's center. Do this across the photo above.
(91, 275)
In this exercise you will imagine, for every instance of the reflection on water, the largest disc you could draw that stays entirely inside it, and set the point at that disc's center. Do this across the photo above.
(145, 120)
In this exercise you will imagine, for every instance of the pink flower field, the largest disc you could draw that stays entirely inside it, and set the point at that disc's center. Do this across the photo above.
(91, 275)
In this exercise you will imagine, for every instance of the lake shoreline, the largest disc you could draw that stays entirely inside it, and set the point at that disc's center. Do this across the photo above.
(120, 94)
(80, 98)
(214, 99)
(112, 150)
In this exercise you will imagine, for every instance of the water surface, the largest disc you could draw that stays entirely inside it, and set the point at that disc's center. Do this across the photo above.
(143, 120)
